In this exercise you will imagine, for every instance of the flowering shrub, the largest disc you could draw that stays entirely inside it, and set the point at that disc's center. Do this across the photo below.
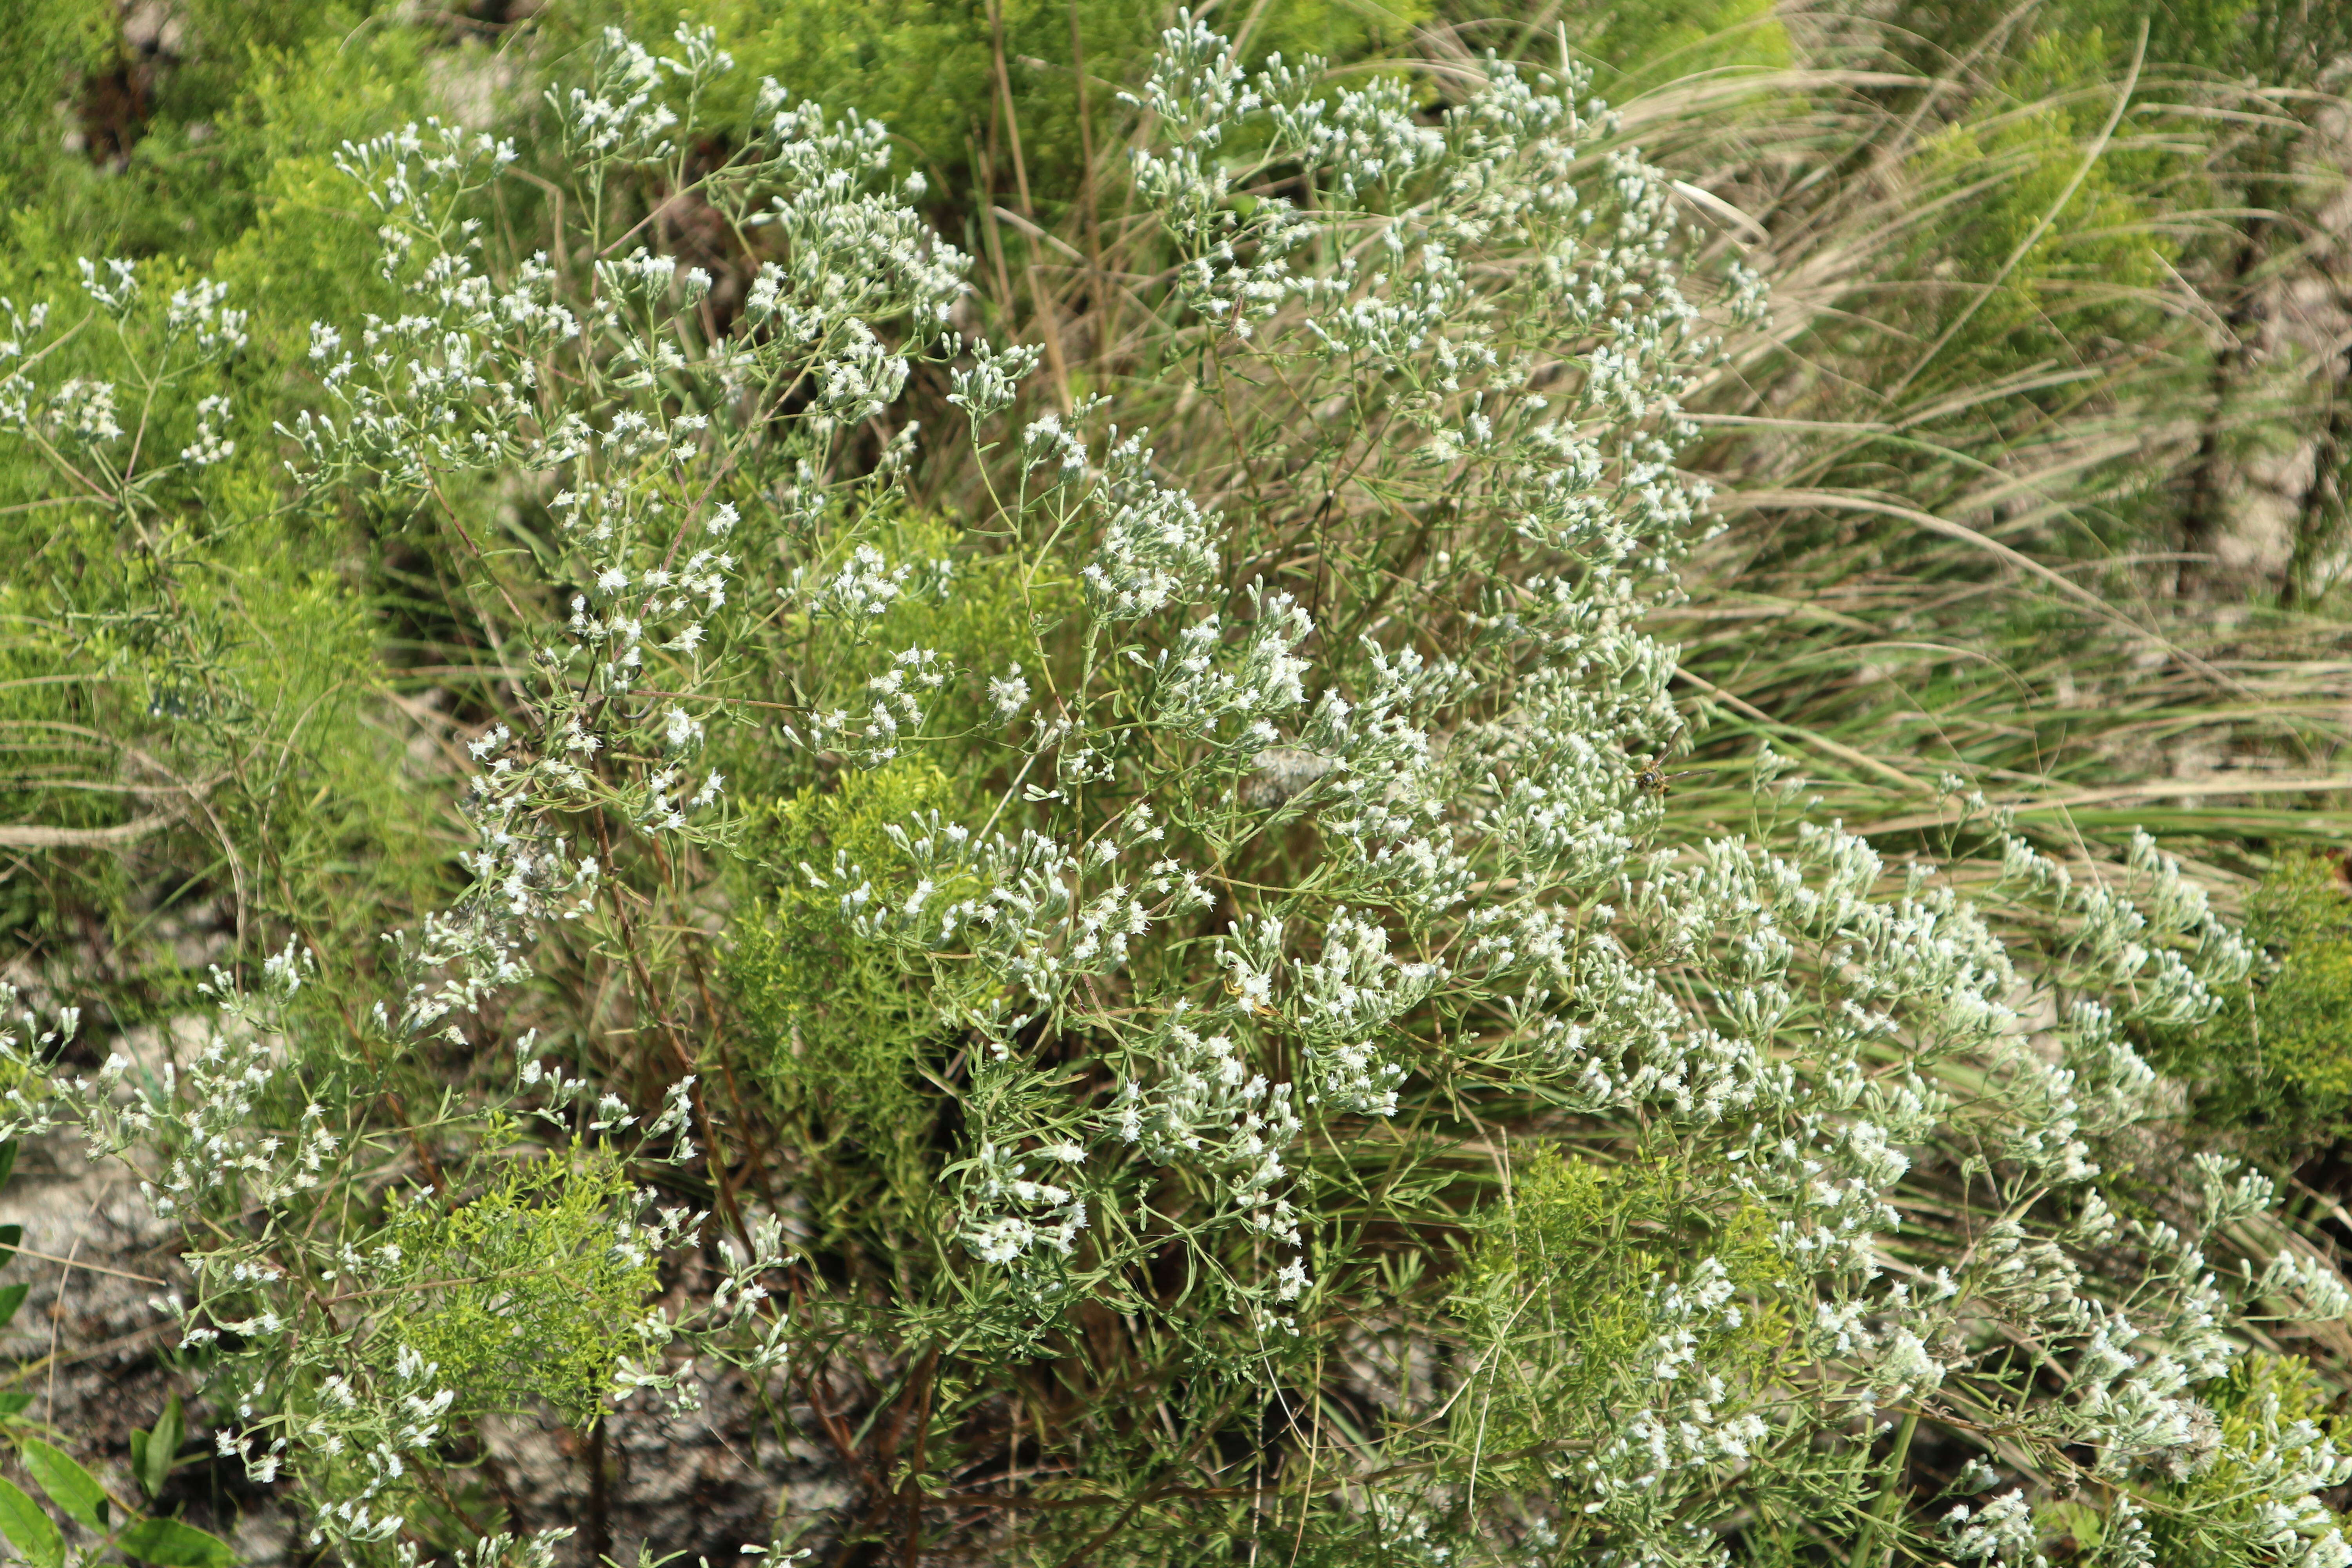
(1329, 1107)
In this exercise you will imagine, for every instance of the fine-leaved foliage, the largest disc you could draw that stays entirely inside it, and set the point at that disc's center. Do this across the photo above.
(1252, 1072)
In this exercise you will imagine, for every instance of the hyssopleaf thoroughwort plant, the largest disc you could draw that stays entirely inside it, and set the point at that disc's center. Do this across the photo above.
(1344, 1125)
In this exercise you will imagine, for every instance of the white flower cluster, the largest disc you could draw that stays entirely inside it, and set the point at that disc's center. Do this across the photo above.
(1207, 1107)
(1359, 139)
(1196, 95)
(622, 116)
(854, 254)
(81, 415)
(1154, 544)
(209, 447)
(2002, 1531)
(893, 710)
(1685, 1428)
(200, 311)
(1018, 1213)
(866, 586)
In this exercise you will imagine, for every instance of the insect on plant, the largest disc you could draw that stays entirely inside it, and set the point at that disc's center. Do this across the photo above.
(1258, 1010)
(1651, 778)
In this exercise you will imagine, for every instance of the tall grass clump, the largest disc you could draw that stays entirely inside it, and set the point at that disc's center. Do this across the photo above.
(1957, 466)
(1114, 925)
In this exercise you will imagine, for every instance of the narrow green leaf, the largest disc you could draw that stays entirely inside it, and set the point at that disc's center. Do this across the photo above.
(69, 1485)
(161, 1446)
(8, 1160)
(13, 1401)
(176, 1545)
(10, 1300)
(11, 1236)
(139, 1456)
(28, 1530)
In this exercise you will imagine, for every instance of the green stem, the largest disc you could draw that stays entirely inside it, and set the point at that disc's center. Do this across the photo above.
(1866, 1553)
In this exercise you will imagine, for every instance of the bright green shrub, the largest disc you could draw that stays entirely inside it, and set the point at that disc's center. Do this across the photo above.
(1644, 44)
(1555, 1297)
(846, 1047)
(2079, 276)
(521, 1294)
(2277, 1063)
